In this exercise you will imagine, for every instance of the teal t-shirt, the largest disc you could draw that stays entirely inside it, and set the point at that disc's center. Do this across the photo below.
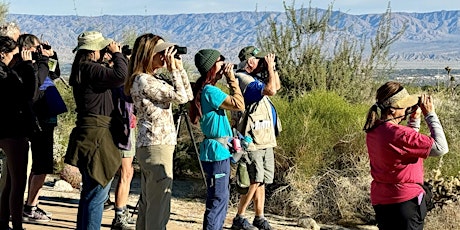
(214, 124)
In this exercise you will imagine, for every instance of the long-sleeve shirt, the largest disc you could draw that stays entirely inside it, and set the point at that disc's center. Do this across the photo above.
(93, 94)
(152, 98)
(396, 156)
(16, 93)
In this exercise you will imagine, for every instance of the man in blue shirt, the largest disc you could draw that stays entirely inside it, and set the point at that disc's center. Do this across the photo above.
(258, 79)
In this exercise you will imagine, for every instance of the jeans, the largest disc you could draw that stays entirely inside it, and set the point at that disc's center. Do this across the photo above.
(91, 205)
(218, 193)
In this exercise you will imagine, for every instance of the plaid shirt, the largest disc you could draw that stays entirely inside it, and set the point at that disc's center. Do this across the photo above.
(152, 98)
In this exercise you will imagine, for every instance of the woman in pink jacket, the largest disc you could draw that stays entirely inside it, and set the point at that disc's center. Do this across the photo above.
(396, 154)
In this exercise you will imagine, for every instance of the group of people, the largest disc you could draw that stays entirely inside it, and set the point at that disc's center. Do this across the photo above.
(25, 79)
(152, 80)
(115, 93)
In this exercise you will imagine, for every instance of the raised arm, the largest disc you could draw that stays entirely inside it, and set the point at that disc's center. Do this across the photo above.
(440, 146)
(273, 83)
(235, 100)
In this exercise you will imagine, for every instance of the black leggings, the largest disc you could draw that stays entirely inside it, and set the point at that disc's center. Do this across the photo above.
(401, 216)
(12, 197)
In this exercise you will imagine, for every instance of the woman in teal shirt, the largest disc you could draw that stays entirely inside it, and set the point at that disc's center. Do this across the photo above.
(208, 107)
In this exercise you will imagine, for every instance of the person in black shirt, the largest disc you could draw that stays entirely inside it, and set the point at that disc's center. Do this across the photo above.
(91, 147)
(16, 125)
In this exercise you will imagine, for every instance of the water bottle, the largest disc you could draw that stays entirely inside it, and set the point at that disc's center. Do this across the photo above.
(236, 144)
(238, 151)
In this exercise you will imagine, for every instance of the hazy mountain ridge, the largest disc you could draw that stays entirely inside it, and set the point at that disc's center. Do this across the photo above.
(429, 37)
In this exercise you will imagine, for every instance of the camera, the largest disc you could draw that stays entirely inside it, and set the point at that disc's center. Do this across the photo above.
(46, 46)
(263, 64)
(125, 50)
(180, 49)
(37, 55)
(235, 66)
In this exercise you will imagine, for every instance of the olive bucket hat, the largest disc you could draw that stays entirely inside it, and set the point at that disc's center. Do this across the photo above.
(91, 40)
(251, 51)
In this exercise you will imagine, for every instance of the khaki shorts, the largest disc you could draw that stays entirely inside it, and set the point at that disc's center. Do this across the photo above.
(132, 152)
(262, 167)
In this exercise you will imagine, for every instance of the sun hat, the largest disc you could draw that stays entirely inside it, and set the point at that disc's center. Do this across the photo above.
(91, 40)
(251, 51)
(401, 100)
(162, 45)
(205, 59)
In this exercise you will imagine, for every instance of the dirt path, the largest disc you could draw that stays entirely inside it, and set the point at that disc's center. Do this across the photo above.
(186, 211)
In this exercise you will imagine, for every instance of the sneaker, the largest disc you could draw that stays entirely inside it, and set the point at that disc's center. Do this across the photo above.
(35, 216)
(48, 214)
(129, 217)
(261, 224)
(120, 222)
(108, 205)
(241, 223)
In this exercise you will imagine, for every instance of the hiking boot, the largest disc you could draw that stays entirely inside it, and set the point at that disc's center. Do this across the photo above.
(108, 205)
(34, 215)
(261, 223)
(241, 223)
(121, 222)
(129, 218)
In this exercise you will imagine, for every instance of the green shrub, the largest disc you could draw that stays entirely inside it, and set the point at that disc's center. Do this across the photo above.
(314, 124)
(321, 153)
(446, 107)
(66, 122)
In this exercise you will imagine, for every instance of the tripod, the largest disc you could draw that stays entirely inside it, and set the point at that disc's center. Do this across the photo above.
(183, 114)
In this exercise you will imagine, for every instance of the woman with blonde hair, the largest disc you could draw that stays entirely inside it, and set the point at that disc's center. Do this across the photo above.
(396, 154)
(153, 96)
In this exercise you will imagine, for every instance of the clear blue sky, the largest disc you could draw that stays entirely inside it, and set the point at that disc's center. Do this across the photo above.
(154, 7)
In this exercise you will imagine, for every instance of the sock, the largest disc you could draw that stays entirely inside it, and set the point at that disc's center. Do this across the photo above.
(260, 217)
(28, 208)
(119, 210)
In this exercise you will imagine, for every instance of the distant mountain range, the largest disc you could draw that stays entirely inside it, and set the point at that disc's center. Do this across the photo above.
(431, 40)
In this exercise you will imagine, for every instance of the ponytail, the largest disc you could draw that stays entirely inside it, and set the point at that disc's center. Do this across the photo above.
(372, 117)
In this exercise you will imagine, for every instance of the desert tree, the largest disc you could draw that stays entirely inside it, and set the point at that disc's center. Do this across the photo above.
(317, 50)
(4, 7)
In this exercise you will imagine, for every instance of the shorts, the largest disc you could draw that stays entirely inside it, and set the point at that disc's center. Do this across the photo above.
(132, 151)
(128, 153)
(41, 145)
(262, 167)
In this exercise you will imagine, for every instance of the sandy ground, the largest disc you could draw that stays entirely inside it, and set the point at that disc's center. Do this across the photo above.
(187, 208)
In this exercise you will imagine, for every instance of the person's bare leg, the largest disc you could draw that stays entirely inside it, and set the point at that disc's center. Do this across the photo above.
(259, 201)
(35, 184)
(123, 186)
(246, 199)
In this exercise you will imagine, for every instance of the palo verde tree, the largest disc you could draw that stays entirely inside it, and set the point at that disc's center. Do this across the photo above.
(317, 52)
(3, 11)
